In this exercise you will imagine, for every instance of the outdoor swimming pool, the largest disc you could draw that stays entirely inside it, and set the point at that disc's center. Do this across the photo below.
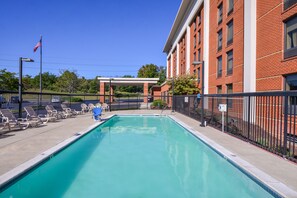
(136, 156)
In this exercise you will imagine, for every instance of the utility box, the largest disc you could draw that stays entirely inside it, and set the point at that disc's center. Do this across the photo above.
(222, 107)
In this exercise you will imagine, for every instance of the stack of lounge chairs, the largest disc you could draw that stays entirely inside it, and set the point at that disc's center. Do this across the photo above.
(8, 120)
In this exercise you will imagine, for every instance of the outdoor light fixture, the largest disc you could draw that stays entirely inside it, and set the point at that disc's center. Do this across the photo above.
(21, 60)
(202, 90)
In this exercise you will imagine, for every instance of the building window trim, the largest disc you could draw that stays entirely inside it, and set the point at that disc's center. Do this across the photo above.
(230, 62)
(230, 8)
(219, 67)
(198, 75)
(290, 27)
(289, 3)
(220, 39)
(220, 13)
(230, 32)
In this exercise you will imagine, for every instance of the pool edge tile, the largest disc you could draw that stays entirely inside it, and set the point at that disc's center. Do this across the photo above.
(274, 186)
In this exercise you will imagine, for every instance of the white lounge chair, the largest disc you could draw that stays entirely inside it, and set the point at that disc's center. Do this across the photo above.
(73, 112)
(43, 119)
(12, 122)
(52, 112)
(84, 108)
(105, 107)
(91, 106)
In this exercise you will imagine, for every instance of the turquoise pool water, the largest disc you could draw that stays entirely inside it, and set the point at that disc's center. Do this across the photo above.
(136, 156)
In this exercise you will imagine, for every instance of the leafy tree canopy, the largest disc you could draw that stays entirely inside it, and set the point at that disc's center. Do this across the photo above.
(8, 81)
(184, 85)
(67, 82)
(152, 71)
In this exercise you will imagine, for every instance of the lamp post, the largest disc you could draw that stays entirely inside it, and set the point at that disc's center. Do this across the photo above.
(21, 82)
(202, 90)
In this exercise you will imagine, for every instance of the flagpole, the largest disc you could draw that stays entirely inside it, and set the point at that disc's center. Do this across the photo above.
(40, 75)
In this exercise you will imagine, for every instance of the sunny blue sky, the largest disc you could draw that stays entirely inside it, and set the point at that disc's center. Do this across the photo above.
(92, 37)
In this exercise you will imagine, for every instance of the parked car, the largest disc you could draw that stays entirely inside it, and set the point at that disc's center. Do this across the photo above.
(14, 99)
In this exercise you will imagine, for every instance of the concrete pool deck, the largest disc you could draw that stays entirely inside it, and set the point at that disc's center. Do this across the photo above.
(17, 147)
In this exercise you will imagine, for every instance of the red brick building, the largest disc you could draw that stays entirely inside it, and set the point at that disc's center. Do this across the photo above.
(246, 45)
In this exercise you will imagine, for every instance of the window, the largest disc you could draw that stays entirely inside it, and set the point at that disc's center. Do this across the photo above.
(194, 24)
(220, 13)
(219, 71)
(219, 91)
(199, 18)
(230, 6)
(230, 33)
(195, 58)
(198, 75)
(195, 41)
(230, 62)
(199, 55)
(289, 3)
(199, 37)
(291, 38)
(229, 91)
(291, 85)
(220, 40)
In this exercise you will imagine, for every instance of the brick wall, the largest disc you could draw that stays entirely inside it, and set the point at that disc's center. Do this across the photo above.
(271, 65)
(236, 78)
(196, 28)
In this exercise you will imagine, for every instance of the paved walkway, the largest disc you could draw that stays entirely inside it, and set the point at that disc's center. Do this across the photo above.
(20, 146)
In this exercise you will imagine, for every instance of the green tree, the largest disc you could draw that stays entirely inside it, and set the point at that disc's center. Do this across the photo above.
(93, 85)
(129, 88)
(83, 85)
(27, 82)
(67, 82)
(184, 85)
(162, 75)
(48, 81)
(148, 71)
(8, 81)
(152, 71)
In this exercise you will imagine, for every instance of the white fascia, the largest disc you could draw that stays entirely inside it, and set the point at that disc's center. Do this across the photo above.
(189, 17)
(250, 45)
(206, 46)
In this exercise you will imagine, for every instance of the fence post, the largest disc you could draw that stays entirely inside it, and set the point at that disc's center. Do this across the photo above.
(285, 125)
(212, 108)
(227, 115)
(249, 116)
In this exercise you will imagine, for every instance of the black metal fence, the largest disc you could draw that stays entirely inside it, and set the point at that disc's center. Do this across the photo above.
(10, 100)
(267, 119)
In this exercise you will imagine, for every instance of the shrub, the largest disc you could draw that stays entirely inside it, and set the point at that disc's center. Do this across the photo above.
(158, 104)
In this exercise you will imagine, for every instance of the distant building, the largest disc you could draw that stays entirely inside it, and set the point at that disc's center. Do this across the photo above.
(246, 45)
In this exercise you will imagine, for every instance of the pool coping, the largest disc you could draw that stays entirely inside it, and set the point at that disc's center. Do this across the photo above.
(276, 187)
(14, 173)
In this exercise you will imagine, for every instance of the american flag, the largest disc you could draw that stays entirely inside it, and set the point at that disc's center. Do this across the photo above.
(37, 46)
